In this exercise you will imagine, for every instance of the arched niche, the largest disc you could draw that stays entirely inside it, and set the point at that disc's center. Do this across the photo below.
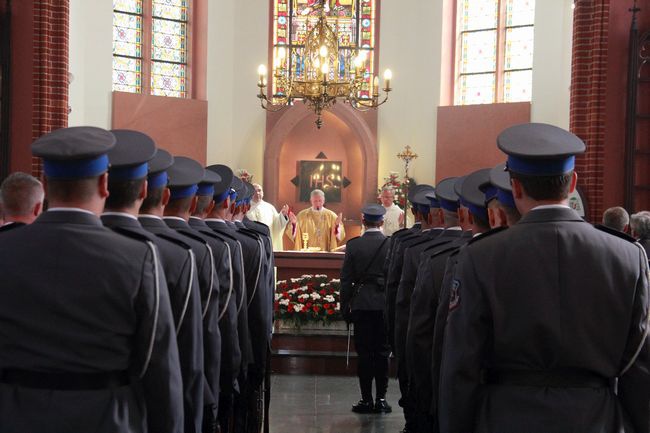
(346, 135)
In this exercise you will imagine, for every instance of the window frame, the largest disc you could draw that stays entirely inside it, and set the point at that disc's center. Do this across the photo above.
(501, 40)
(147, 59)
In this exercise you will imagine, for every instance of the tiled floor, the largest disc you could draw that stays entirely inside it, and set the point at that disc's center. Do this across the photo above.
(321, 404)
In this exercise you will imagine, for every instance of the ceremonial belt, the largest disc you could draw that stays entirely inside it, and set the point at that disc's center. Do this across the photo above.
(561, 378)
(64, 381)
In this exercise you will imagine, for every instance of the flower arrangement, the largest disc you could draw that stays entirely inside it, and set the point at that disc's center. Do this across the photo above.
(310, 298)
(244, 175)
(399, 186)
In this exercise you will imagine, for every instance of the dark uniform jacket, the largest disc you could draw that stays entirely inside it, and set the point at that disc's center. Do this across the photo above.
(78, 298)
(362, 272)
(11, 226)
(422, 318)
(180, 272)
(547, 311)
(231, 356)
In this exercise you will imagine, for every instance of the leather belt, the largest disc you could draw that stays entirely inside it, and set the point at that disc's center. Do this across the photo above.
(565, 378)
(64, 381)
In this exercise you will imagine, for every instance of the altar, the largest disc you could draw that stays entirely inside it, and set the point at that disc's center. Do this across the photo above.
(293, 264)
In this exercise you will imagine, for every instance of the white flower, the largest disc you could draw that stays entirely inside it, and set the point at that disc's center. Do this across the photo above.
(281, 282)
(338, 306)
(292, 291)
(315, 296)
(284, 302)
(303, 296)
(306, 276)
(278, 296)
(322, 284)
(335, 280)
(299, 307)
(329, 298)
(296, 280)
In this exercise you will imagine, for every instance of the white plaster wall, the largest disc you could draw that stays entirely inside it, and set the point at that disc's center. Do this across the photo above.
(410, 42)
(237, 44)
(552, 62)
(91, 48)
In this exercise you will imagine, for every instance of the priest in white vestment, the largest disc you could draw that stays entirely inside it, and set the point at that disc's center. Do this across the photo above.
(323, 229)
(394, 217)
(265, 213)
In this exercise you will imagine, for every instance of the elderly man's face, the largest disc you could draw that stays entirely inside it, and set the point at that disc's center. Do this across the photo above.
(386, 198)
(259, 193)
(317, 201)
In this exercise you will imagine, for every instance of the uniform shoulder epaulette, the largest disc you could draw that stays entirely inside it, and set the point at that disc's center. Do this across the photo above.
(611, 231)
(486, 234)
(262, 228)
(174, 240)
(133, 234)
(400, 232)
(354, 238)
(196, 236)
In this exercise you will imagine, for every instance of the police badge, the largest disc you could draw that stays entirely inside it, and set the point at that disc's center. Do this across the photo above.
(454, 295)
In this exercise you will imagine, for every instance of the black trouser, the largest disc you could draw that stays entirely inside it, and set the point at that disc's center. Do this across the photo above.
(406, 401)
(372, 347)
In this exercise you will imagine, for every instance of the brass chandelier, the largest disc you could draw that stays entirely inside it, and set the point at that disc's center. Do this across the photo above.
(325, 77)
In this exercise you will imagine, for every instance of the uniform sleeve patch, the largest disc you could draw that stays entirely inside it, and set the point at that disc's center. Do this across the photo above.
(454, 295)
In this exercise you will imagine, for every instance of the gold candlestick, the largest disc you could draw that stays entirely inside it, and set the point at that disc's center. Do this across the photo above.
(305, 240)
(407, 156)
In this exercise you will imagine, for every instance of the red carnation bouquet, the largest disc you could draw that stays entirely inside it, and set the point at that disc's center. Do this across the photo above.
(308, 299)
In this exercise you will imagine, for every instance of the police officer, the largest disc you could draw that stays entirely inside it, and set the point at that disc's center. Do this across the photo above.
(88, 340)
(537, 334)
(362, 301)
(127, 187)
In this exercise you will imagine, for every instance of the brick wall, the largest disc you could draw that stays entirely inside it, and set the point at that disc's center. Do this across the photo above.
(50, 73)
(588, 96)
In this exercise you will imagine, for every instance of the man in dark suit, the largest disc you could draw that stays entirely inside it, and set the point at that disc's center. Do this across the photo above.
(22, 198)
(362, 301)
(539, 333)
(88, 340)
(128, 188)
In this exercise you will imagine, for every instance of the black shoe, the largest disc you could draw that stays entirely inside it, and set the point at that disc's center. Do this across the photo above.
(382, 406)
(363, 406)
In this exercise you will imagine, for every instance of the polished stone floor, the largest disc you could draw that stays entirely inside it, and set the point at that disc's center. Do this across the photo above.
(321, 404)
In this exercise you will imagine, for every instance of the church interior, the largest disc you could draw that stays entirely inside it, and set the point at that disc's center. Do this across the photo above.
(228, 82)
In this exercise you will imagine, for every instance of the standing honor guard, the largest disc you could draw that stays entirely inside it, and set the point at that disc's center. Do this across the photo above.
(362, 301)
(128, 188)
(547, 328)
(88, 341)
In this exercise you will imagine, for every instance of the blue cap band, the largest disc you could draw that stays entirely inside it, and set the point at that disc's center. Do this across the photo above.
(423, 208)
(129, 173)
(451, 206)
(506, 198)
(477, 211)
(157, 180)
(221, 197)
(434, 202)
(75, 169)
(233, 195)
(373, 218)
(541, 167)
(490, 193)
(183, 192)
(206, 189)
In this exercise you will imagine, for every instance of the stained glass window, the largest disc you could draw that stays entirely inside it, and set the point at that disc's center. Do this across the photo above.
(353, 20)
(169, 48)
(167, 56)
(495, 51)
(127, 45)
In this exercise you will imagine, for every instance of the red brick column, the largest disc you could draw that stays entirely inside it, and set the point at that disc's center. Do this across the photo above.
(51, 19)
(588, 96)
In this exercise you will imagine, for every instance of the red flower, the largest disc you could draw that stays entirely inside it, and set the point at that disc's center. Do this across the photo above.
(290, 308)
(323, 292)
(326, 306)
(308, 305)
(316, 308)
(330, 312)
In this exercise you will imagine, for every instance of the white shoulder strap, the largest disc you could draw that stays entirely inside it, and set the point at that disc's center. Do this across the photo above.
(156, 269)
(230, 288)
(189, 290)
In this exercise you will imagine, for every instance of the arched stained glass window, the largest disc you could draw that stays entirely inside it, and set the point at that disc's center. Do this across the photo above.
(150, 46)
(494, 51)
(353, 20)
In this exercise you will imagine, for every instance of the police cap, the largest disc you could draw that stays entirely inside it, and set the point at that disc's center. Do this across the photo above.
(222, 187)
(500, 179)
(131, 154)
(472, 194)
(184, 177)
(158, 166)
(74, 153)
(538, 149)
(446, 195)
(206, 186)
(373, 213)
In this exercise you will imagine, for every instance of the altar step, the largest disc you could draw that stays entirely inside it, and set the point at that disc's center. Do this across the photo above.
(313, 355)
